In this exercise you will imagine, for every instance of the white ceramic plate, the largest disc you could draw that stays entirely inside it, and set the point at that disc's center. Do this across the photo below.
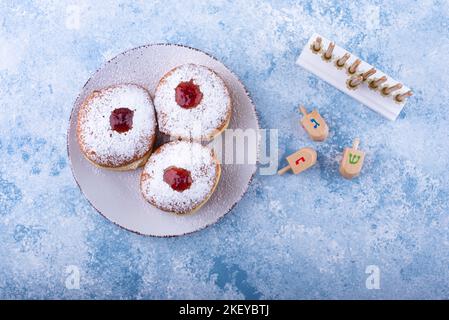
(116, 195)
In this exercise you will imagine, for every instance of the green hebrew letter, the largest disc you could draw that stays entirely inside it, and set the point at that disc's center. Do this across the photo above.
(353, 159)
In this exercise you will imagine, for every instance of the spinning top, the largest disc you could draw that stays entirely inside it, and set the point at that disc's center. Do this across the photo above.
(352, 161)
(314, 124)
(299, 161)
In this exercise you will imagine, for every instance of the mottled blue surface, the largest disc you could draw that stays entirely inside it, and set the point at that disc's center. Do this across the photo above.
(307, 236)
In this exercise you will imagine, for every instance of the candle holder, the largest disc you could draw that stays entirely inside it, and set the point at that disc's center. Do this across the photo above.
(381, 93)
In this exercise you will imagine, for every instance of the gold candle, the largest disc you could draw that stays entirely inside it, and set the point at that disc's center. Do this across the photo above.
(389, 90)
(353, 68)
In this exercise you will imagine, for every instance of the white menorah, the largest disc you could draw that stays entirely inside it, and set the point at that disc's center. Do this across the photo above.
(354, 77)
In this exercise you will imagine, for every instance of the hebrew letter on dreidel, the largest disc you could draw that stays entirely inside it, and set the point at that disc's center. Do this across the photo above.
(299, 161)
(352, 161)
(314, 125)
(353, 158)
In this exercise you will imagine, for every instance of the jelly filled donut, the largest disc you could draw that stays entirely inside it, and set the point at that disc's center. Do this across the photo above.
(116, 127)
(192, 102)
(180, 176)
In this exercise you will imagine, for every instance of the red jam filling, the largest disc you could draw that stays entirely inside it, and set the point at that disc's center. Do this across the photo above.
(188, 95)
(178, 179)
(121, 120)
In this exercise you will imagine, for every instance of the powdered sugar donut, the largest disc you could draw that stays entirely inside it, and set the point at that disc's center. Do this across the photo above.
(192, 102)
(116, 127)
(180, 176)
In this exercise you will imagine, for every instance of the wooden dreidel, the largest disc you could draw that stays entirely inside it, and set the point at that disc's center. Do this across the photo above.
(314, 124)
(299, 161)
(352, 161)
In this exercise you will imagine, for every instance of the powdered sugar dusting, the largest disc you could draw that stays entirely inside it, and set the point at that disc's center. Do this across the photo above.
(117, 195)
(106, 146)
(194, 157)
(201, 121)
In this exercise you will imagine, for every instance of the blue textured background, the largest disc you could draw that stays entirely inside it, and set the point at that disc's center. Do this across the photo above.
(307, 236)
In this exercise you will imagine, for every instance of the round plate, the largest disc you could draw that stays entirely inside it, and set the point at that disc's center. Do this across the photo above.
(116, 195)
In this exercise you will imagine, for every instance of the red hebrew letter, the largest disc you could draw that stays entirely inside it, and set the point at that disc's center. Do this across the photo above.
(299, 160)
